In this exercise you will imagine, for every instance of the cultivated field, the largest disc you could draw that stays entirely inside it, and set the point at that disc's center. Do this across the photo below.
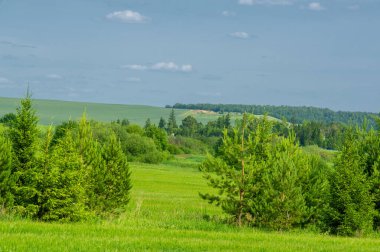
(167, 214)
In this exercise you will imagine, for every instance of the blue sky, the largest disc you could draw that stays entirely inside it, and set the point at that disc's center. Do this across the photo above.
(158, 52)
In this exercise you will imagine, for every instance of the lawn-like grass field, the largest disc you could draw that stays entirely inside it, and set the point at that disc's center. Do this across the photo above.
(166, 214)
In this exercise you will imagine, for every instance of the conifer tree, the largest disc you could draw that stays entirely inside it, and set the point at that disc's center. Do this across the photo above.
(261, 178)
(352, 202)
(63, 196)
(148, 123)
(115, 184)
(172, 123)
(24, 136)
(90, 154)
(162, 123)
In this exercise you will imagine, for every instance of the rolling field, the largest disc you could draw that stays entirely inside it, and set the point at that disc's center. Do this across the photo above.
(54, 112)
(166, 214)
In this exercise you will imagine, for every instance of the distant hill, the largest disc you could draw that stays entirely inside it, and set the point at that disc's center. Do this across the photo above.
(290, 113)
(54, 112)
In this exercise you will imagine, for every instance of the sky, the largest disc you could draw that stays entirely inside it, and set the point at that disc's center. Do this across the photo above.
(156, 52)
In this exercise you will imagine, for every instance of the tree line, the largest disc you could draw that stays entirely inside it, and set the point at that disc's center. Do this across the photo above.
(292, 114)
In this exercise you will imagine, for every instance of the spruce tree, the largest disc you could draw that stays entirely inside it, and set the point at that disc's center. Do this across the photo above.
(24, 136)
(352, 206)
(63, 196)
(115, 184)
(162, 123)
(89, 151)
(148, 123)
(172, 123)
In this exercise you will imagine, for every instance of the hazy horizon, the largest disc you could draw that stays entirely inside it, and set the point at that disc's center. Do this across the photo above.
(267, 52)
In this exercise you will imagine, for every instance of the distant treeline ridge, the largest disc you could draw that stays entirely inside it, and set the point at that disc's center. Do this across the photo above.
(292, 114)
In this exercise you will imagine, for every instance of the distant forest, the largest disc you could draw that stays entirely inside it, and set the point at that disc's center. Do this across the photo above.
(291, 114)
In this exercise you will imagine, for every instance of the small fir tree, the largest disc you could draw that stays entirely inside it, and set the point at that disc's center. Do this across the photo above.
(162, 123)
(24, 136)
(115, 185)
(172, 123)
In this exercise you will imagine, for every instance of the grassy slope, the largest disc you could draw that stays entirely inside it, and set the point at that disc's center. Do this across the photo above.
(54, 112)
(166, 213)
(50, 111)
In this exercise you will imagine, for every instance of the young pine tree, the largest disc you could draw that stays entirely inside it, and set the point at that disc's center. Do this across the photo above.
(352, 206)
(114, 184)
(24, 137)
(63, 192)
(172, 123)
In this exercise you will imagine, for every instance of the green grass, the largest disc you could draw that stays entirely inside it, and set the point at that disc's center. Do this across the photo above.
(327, 155)
(166, 214)
(55, 112)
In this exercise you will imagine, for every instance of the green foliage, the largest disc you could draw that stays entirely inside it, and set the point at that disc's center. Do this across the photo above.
(24, 137)
(8, 119)
(62, 129)
(263, 179)
(63, 194)
(292, 114)
(190, 126)
(6, 182)
(162, 123)
(158, 135)
(67, 177)
(352, 202)
(187, 145)
(172, 123)
(114, 181)
(141, 148)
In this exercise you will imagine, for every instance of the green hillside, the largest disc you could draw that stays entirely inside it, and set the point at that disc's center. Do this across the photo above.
(52, 111)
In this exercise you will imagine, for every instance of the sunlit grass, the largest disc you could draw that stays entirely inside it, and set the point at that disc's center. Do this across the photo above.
(166, 213)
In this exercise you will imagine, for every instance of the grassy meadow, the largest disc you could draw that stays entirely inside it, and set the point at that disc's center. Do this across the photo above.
(54, 112)
(166, 213)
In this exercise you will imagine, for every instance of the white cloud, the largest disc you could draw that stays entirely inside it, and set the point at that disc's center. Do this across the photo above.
(186, 68)
(172, 67)
(228, 13)
(127, 16)
(135, 67)
(162, 66)
(240, 35)
(54, 76)
(315, 6)
(266, 2)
